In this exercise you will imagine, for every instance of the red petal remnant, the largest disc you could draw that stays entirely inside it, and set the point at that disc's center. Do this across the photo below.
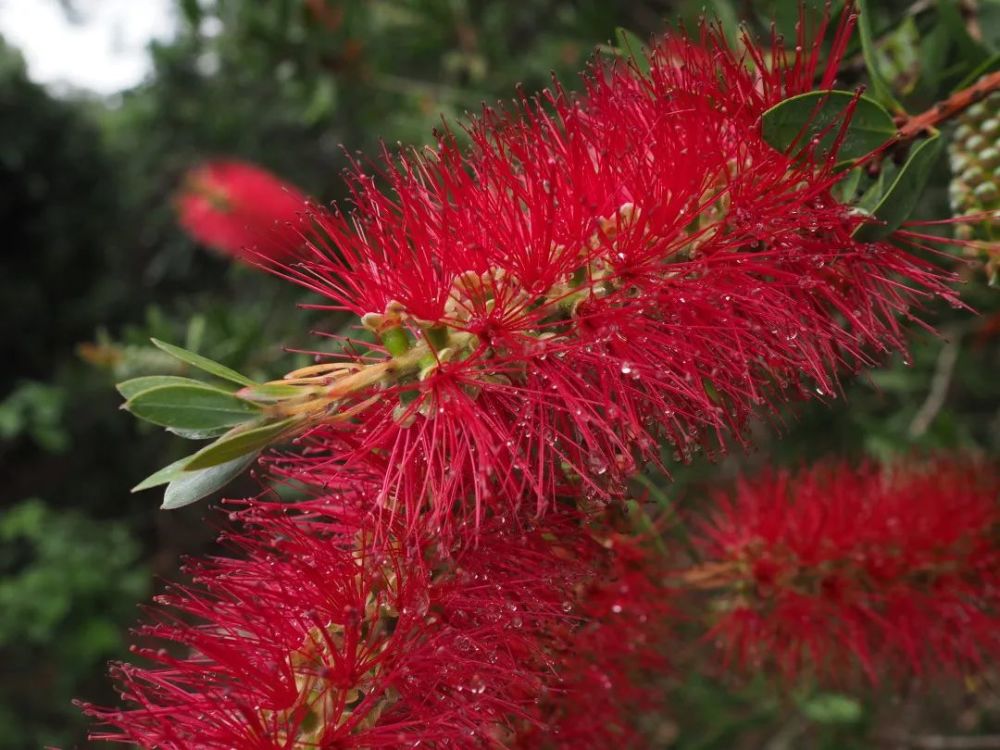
(891, 569)
(243, 210)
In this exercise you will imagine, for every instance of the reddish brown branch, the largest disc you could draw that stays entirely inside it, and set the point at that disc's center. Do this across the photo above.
(912, 126)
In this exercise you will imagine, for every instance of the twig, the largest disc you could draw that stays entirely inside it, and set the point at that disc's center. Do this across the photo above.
(912, 126)
(940, 382)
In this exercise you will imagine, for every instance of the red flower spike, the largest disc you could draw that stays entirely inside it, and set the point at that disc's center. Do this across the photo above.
(315, 640)
(597, 275)
(890, 570)
(243, 210)
(608, 666)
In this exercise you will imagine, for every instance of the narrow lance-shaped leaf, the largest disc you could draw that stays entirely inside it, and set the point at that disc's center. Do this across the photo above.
(988, 66)
(239, 442)
(847, 189)
(208, 434)
(932, 55)
(270, 392)
(190, 486)
(903, 194)
(793, 124)
(832, 708)
(966, 45)
(191, 407)
(131, 388)
(203, 363)
(988, 16)
(873, 194)
(880, 87)
(162, 476)
(728, 20)
(632, 47)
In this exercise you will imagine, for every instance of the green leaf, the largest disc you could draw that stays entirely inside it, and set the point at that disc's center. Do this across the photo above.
(270, 392)
(874, 193)
(190, 486)
(794, 122)
(968, 48)
(202, 363)
(847, 189)
(904, 193)
(195, 333)
(629, 43)
(832, 708)
(135, 386)
(192, 11)
(324, 101)
(933, 57)
(644, 525)
(198, 434)
(989, 23)
(787, 14)
(191, 407)
(988, 66)
(880, 88)
(729, 21)
(164, 476)
(239, 442)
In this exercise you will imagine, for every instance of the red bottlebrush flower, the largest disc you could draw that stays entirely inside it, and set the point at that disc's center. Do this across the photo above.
(319, 638)
(608, 663)
(243, 210)
(887, 569)
(600, 273)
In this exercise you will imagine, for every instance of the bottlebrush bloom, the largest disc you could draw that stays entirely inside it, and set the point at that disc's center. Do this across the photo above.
(889, 569)
(313, 639)
(598, 274)
(242, 210)
(607, 663)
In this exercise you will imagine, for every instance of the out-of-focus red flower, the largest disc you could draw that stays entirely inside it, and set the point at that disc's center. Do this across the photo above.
(891, 569)
(315, 636)
(243, 210)
(599, 274)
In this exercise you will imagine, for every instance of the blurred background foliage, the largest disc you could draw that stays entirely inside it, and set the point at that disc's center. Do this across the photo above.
(95, 264)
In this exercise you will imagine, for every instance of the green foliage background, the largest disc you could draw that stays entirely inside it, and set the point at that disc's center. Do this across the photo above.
(94, 264)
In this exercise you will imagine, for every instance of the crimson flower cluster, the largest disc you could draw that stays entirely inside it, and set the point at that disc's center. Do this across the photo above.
(314, 637)
(890, 570)
(598, 274)
(242, 210)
